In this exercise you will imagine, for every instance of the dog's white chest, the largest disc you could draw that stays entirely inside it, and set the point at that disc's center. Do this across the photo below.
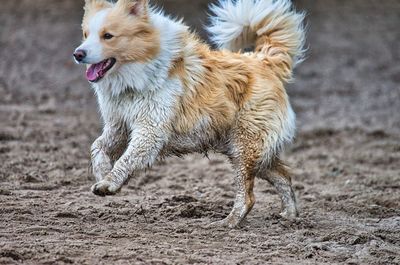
(153, 107)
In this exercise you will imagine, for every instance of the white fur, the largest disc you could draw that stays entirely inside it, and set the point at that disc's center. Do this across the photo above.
(92, 45)
(237, 24)
(156, 93)
(143, 97)
(151, 75)
(281, 132)
(289, 127)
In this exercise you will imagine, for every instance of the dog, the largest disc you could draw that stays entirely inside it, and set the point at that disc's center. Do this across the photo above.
(162, 91)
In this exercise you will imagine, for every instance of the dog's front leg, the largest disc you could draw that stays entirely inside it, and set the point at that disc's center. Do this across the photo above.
(107, 148)
(145, 144)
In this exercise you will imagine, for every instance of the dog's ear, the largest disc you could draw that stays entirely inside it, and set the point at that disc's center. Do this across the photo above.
(96, 4)
(134, 7)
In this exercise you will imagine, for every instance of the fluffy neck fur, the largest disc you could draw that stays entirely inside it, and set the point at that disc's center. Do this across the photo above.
(149, 76)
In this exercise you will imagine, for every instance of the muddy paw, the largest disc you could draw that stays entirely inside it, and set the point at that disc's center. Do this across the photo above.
(289, 214)
(104, 188)
(228, 222)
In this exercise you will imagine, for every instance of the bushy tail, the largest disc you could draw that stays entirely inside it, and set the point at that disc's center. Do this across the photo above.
(269, 27)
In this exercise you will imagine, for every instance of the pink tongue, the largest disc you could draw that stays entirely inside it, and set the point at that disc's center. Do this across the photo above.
(94, 71)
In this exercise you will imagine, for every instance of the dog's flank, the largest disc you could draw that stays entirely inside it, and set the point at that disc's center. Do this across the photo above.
(167, 93)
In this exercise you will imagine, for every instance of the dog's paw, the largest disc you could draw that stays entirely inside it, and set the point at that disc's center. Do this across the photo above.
(289, 213)
(105, 188)
(229, 222)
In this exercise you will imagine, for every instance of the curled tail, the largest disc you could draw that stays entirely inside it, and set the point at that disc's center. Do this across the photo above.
(269, 27)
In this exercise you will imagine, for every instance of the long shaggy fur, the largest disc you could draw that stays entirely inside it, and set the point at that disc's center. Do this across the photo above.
(162, 92)
(270, 27)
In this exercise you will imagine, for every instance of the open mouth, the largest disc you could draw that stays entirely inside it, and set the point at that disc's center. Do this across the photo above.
(97, 71)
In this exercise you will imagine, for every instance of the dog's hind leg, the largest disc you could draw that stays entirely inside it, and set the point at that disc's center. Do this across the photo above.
(277, 174)
(243, 156)
(244, 199)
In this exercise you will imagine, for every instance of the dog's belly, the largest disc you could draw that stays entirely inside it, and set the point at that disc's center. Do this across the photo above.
(197, 142)
(181, 145)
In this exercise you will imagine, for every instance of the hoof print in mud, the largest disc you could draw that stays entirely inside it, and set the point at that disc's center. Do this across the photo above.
(104, 188)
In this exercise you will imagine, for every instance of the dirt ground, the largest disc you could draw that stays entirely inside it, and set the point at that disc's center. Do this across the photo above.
(346, 157)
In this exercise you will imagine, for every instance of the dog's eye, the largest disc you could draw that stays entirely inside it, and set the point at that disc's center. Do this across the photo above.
(85, 35)
(108, 36)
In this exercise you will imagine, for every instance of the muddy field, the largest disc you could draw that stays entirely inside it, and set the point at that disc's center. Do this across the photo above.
(346, 157)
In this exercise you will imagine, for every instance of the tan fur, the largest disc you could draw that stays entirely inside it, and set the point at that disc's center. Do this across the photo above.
(92, 7)
(135, 39)
(277, 57)
(222, 86)
(242, 96)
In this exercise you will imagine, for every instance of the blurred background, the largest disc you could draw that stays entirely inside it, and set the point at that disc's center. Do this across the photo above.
(346, 158)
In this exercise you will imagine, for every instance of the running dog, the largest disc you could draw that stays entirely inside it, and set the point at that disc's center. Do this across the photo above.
(162, 91)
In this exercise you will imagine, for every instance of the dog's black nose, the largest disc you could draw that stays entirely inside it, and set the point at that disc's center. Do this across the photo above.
(79, 55)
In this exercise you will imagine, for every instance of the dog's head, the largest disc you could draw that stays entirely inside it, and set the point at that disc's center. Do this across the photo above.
(115, 34)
